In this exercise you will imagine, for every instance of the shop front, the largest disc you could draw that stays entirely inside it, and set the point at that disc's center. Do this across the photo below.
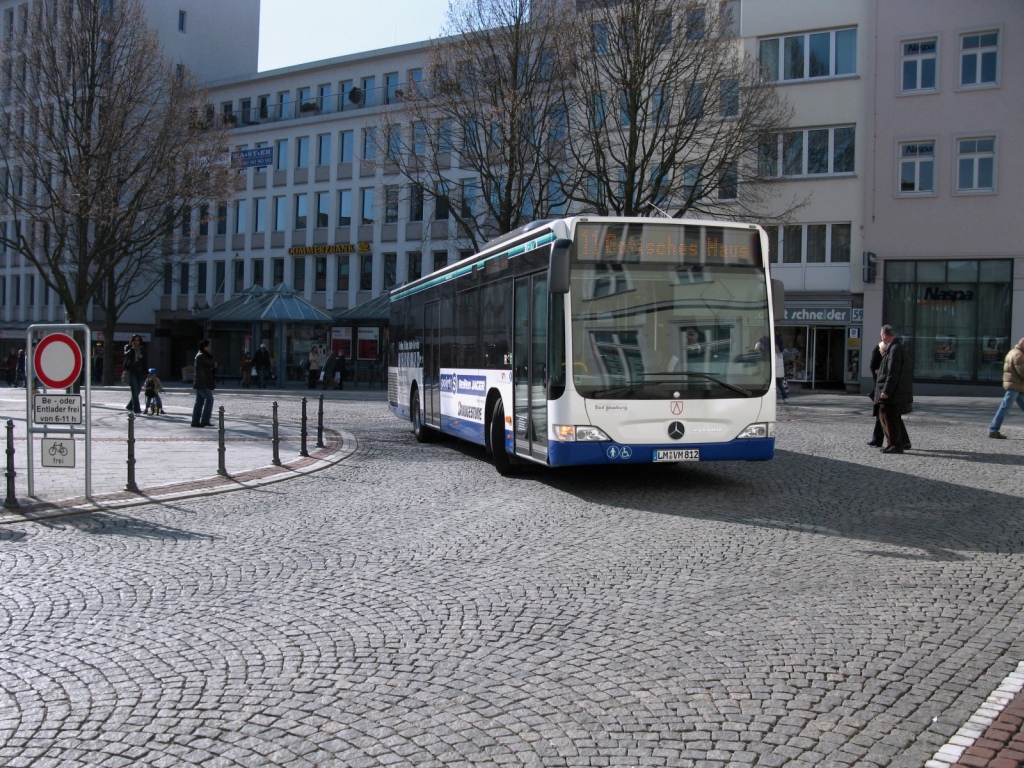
(954, 317)
(821, 344)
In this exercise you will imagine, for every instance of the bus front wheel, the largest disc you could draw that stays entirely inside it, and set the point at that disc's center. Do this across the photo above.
(505, 464)
(419, 429)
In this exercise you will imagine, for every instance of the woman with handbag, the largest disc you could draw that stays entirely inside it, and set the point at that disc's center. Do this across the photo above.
(135, 368)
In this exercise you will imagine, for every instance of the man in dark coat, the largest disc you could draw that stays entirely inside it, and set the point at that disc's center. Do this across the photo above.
(261, 362)
(204, 383)
(894, 392)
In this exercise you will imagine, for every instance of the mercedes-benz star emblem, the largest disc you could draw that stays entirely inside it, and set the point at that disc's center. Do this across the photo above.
(676, 430)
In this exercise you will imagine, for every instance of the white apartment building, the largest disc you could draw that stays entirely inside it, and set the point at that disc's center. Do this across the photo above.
(316, 212)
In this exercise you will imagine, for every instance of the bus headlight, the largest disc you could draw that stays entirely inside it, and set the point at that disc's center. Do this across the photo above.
(757, 430)
(567, 433)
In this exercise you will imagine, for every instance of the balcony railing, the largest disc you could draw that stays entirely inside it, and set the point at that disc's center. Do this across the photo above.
(349, 101)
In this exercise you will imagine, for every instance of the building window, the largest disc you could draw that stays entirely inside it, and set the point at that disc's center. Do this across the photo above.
(301, 211)
(277, 265)
(976, 165)
(222, 219)
(920, 59)
(345, 147)
(416, 81)
(282, 155)
(323, 208)
(369, 144)
(440, 260)
(469, 189)
(323, 100)
(368, 215)
(696, 24)
(239, 267)
(810, 244)
(204, 220)
(201, 278)
(441, 205)
(342, 265)
(320, 273)
(416, 203)
(809, 152)
(344, 207)
(280, 214)
(729, 97)
(917, 168)
(792, 244)
(323, 149)
(259, 215)
(599, 33)
(979, 59)
(299, 273)
(390, 204)
(390, 270)
(219, 272)
(366, 272)
(369, 91)
(391, 92)
(831, 53)
(839, 243)
(728, 183)
(414, 266)
(257, 272)
(181, 20)
(302, 152)
(168, 283)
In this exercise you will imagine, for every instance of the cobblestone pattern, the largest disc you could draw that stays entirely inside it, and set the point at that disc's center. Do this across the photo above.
(409, 606)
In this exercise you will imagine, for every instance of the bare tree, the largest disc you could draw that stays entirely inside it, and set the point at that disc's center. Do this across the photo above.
(483, 132)
(667, 113)
(105, 146)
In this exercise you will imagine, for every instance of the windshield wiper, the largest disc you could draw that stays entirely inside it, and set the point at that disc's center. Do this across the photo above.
(617, 391)
(708, 376)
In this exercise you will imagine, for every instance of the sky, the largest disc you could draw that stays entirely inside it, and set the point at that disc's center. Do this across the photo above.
(298, 31)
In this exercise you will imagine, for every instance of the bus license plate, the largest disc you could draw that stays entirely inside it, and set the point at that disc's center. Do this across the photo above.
(677, 454)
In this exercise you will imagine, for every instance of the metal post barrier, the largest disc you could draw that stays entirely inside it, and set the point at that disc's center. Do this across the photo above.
(221, 469)
(304, 432)
(131, 485)
(11, 500)
(276, 440)
(320, 425)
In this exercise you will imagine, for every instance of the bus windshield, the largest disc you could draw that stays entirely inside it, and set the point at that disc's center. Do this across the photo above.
(669, 310)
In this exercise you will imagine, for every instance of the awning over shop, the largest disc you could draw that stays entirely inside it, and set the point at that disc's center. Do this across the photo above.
(376, 310)
(255, 305)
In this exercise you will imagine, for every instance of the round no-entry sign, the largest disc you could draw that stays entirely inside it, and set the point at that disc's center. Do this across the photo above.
(57, 361)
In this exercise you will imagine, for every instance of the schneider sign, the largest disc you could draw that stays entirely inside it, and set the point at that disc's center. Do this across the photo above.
(57, 409)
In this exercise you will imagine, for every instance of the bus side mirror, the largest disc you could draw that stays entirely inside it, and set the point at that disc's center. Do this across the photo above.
(558, 266)
(778, 300)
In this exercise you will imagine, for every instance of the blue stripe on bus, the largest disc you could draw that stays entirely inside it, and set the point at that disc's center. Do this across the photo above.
(574, 454)
(467, 430)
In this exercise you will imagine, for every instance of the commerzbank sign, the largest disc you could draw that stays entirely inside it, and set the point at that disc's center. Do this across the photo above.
(326, 250)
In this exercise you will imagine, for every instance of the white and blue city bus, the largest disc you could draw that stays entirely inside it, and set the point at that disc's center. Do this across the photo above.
(594, 340)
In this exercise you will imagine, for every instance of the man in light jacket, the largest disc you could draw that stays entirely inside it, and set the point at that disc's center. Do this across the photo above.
(1013, 383)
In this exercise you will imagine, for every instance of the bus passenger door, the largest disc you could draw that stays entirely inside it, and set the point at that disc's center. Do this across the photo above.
(529, 360)
(432, 364)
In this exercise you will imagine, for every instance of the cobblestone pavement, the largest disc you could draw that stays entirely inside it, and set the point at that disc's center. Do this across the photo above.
(409, 606)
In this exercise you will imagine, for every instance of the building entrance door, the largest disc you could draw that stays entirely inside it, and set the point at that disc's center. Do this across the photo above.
(828, 358)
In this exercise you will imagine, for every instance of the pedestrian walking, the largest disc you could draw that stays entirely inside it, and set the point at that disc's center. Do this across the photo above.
(12, 367)
(203, 384)
(780, 374)
(1013, 383)
(313, 366)
(135, 367)
(19, 370)
(330, 365)
(877, 436)
(261, 362)
(246, 370)
(894, 392)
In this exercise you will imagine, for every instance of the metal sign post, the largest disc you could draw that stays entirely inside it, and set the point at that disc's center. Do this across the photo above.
(56, 362)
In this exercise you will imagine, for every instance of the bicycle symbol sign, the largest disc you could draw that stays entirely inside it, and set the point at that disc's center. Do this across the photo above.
(58, 452)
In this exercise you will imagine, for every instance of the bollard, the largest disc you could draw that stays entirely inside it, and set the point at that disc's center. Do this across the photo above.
(304, 433)
(276, 441)
(320, 425)
(131, 485)
(11, 500)
(221, 469)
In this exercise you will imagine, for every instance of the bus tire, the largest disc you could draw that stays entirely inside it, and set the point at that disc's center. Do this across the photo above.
(505, 464)
(419, 429)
